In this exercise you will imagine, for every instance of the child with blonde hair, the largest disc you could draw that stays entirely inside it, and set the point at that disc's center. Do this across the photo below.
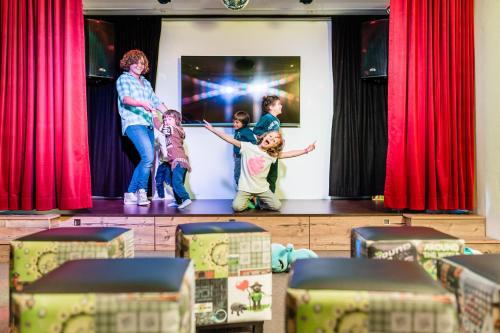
(255, 163)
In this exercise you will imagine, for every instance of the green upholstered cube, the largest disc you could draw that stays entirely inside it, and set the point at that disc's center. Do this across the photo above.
(364, 295)
(421, 244)
(475, 281)
(102, 296)
(232, 262)
(37, 254)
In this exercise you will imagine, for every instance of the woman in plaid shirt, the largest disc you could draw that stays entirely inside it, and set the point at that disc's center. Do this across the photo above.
(136, 104)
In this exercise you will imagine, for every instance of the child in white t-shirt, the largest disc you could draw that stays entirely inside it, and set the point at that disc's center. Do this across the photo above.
(255, 163)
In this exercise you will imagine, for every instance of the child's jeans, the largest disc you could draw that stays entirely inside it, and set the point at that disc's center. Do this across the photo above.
(267, 200)
(175, 178)
(161, 177)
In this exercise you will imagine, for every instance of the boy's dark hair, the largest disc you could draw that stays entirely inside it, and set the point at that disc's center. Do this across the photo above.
(243, 117)
(267, 101)
(174, 113)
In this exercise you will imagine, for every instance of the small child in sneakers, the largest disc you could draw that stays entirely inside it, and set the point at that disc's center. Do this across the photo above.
(163, 167)
(176, 164)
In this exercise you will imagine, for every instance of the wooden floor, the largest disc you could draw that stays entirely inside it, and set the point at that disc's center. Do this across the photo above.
(115, 207)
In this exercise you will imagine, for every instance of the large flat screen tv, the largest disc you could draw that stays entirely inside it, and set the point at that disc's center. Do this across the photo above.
(215, 87)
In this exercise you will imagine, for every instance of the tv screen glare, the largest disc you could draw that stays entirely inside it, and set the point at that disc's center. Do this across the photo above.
(215, 87)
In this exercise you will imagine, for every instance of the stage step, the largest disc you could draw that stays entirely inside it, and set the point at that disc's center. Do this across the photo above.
(465, 226)
(143, 226)
(485, 245)
(333, 233)
(283, 229)
(320, 233)
(15, 226)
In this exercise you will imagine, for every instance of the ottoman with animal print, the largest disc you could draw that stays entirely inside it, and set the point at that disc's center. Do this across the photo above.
(232, 262)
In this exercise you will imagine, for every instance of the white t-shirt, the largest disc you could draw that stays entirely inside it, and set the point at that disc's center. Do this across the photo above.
(255, 164)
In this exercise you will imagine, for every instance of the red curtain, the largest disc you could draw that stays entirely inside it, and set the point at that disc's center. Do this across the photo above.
(430, 158)
(43, 119)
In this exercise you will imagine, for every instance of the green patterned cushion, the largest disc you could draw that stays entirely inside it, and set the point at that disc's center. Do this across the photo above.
(35, 255)
(364, 295)
(232, 262)
(120, 295)
(420, 244)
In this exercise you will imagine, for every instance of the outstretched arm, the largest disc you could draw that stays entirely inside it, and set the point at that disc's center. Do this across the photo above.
(295, 153)
(222, 135)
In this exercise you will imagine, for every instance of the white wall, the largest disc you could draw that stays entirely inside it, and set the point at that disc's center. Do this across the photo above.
(304, 177)
(487, 55)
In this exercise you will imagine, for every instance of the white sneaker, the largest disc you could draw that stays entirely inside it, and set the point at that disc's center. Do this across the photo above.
(185, 203)
(156, 197)
(129, 198)
(142, 198)
(173, 204)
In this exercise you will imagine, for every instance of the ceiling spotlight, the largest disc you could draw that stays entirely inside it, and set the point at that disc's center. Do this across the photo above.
(163, 2)
(235, 4)
(306, 2)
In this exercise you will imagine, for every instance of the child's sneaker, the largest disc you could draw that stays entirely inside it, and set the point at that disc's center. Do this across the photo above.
(142, 198)
(156, 197)
(250, 204)
(129, 198)
(185, 203)
(173, 204)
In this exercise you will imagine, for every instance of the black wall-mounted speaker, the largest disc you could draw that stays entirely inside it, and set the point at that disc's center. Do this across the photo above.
(374, 46)
(99, 49)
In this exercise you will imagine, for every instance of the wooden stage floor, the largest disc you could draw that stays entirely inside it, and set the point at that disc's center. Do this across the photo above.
(115, 207)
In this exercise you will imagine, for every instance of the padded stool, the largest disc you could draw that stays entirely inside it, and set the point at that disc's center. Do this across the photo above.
(37, 254)
(420, 244)
(232, 262)
(364, 295)
(120, 295)
(475, 281)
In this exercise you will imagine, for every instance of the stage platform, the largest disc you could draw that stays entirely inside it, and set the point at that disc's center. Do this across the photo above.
(321, 225)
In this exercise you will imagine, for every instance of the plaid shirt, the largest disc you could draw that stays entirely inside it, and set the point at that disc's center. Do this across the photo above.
(128, 85)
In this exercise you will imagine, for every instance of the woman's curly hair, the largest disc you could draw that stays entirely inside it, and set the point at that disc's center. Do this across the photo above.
(133, 57)
(276, 150)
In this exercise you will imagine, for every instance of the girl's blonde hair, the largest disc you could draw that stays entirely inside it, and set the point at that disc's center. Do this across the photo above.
(276, 150)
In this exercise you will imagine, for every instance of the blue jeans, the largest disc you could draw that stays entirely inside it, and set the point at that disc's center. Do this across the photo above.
(174, 178)
(143, 139)
(237, 169)
(163, 175)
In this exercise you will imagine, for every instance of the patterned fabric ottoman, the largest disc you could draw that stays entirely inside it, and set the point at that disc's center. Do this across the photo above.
(420, 244)
(37, 254)
(475, 280)
(232, 262)
(140, 295)
(363, 295)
